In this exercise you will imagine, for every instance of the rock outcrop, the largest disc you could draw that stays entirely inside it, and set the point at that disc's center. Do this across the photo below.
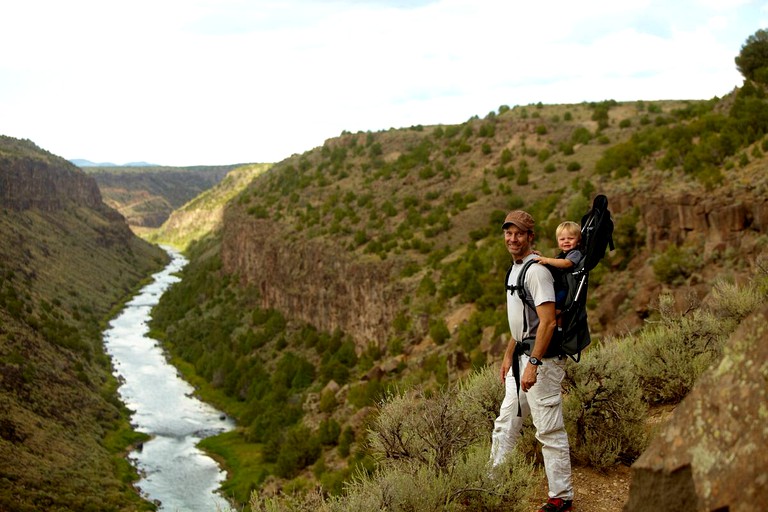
(720, 221)
(315, 283)
(718, 227)
(48, 185)
(710, 457)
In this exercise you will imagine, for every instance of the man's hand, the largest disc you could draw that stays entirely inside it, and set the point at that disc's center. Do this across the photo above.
(529, 377)
(505, 365)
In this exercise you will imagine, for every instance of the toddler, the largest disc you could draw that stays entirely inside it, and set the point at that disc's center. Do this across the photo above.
(568, 236)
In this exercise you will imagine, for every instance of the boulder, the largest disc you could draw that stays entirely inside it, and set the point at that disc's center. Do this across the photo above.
(710, 455)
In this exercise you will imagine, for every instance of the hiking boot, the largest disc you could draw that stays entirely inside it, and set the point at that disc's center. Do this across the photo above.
(557, 505)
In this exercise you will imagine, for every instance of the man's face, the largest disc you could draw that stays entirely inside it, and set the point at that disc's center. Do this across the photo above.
(518, 241)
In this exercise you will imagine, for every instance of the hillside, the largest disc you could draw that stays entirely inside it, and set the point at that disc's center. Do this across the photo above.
(66, 260)
(147, 195)
(373, 263)
(203, 215)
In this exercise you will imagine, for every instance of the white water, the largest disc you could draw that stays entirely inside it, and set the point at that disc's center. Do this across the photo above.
(175, 473)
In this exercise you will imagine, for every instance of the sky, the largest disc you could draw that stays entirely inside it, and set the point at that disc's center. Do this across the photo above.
(214, 82)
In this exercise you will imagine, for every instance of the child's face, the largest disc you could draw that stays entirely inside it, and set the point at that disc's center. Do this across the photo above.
(567, 240)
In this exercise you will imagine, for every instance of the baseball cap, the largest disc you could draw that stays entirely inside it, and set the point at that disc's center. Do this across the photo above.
(519, 218)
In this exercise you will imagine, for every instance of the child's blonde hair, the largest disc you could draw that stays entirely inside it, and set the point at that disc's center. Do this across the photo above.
(568, 227)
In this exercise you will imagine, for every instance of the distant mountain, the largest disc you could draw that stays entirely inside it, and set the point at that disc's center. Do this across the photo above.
(87, 163)
(139, 164)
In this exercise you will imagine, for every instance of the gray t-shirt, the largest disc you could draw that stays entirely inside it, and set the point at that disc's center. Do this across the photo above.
(539, 289)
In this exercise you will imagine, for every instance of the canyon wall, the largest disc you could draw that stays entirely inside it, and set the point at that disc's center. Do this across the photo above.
(326, 287)
(45, 185)
(718, 220)
(310, 281)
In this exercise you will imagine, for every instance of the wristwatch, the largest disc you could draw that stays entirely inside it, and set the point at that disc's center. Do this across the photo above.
(535, 361)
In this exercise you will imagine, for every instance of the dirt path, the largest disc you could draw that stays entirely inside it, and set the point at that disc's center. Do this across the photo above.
(595, 491)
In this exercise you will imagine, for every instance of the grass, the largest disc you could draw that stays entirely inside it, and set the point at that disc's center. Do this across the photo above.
(242, 461)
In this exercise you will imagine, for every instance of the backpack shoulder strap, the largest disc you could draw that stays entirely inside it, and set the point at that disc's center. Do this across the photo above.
(519, 286)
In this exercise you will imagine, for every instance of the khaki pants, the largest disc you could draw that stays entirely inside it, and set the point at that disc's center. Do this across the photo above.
(544, 402)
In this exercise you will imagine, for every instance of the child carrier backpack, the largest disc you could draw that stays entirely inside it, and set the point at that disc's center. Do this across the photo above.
(572, 336)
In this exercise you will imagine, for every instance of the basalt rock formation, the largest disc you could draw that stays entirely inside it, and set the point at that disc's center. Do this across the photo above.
(709, 456)
(47, 184)
(312, 281)
(728, 222)
(720, 221)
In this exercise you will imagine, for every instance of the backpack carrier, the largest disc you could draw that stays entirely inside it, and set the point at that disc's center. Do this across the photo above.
(572, 335)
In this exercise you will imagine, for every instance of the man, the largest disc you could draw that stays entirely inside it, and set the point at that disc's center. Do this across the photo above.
(540, 393)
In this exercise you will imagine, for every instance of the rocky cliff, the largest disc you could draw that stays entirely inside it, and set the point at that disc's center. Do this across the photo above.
(47, 183)
(722, 220)
(314, 282)
(723, 230)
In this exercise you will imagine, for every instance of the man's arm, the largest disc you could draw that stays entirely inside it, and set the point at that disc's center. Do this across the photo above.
(547, 324)
(506, 363)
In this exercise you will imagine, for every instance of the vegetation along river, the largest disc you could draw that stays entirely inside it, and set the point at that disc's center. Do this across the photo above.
(175, 473)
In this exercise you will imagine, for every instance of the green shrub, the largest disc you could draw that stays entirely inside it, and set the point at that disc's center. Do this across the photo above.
(470, 333)
(581, 136)
(604, 408)
(522, 177)
(332, 482)
(365, 393)
(328, 432)
(433, 452)
(328, 401)
(438, 331)
(732, 301)
(675, 265)
(671, 356)
(430, 430)
(298, 450)
(627, 237)
(566, 148)
(345, 441)
(468, 487)
(487, 130)
(573, 166)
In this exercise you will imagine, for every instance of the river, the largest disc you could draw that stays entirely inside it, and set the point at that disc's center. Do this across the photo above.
(174, 472)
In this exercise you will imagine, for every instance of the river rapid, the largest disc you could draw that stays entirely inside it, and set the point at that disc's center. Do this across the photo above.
(174, 472)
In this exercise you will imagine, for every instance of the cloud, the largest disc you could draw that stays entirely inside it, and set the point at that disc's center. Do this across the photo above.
(219, 81)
